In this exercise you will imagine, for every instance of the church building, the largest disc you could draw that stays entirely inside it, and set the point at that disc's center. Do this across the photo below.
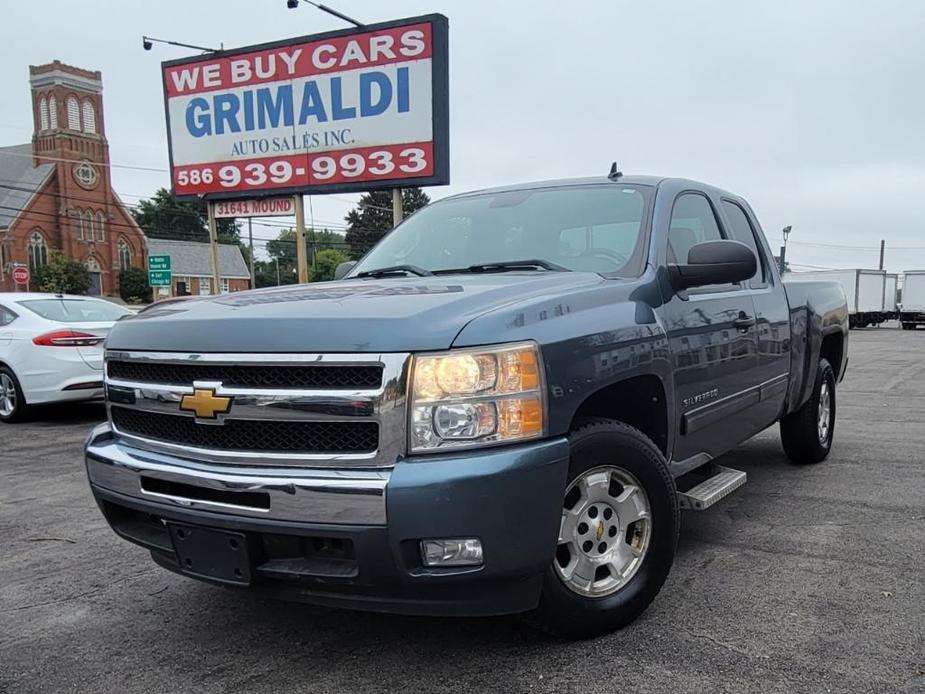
(56, 192)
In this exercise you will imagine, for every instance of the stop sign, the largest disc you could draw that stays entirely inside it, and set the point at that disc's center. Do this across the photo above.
(21, 275)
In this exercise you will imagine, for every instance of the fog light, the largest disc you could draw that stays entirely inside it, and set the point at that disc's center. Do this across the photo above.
(462, 552)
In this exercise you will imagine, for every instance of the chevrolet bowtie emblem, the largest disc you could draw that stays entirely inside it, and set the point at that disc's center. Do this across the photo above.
(600, 529)
(205, 403)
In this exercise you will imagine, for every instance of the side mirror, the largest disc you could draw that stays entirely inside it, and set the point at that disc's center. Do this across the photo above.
(341, 270)
(714, 262)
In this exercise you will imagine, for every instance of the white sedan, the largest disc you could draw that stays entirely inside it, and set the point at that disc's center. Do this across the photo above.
(51, 349)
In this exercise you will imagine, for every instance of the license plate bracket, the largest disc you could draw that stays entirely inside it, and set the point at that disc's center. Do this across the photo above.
(216, 555)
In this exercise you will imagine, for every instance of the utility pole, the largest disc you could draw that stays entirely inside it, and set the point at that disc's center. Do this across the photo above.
(300, 239)
(397, 212)
(882, 249)
(250, 240)
(213, 242)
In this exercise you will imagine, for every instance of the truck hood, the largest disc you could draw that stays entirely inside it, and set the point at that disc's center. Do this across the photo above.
(384, 315)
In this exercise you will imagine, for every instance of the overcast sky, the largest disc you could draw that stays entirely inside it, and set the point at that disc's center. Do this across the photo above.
(814, 111)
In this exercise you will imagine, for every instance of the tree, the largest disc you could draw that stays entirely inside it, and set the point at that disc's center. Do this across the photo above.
(326, 239)
(133, 286)
(372, 217)
(326, 261)
(61, 275)
(162, 217)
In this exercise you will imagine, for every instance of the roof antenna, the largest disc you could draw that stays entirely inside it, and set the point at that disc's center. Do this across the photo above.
(615, 173)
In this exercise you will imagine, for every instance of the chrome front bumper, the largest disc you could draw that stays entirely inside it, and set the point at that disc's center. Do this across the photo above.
(345, 497)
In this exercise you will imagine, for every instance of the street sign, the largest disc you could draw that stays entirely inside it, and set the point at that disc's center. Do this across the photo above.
(261, 207)
(21, 274)
(159, 273)
(365, 108)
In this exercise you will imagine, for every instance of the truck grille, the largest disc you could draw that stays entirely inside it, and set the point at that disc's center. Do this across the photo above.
(252, 376)
(257, 436)
(315, 410)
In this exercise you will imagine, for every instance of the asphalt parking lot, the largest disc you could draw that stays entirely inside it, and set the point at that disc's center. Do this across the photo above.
(807, 579)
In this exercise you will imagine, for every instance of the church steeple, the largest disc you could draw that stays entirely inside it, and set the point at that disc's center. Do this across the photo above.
(67, 107)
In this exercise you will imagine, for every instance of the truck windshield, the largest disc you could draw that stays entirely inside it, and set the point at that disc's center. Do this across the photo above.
(583, 228)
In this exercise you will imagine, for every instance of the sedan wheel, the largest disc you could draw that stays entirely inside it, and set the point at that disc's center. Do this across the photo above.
(7, 396)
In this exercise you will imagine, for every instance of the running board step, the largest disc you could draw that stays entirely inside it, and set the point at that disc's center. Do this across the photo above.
(718, 486)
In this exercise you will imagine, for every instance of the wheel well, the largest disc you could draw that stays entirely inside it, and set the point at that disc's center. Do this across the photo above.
(639, 402)
(832, 349)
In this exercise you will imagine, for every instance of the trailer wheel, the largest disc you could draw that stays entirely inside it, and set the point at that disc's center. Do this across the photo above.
(807, 434)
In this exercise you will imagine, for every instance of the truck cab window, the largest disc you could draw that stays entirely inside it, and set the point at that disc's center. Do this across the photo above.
(742, 230)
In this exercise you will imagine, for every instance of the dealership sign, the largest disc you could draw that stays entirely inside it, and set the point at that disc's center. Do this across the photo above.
(364, 108)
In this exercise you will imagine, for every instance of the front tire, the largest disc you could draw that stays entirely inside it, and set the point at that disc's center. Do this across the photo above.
(618, 534)
(13, 406)
(807, 434)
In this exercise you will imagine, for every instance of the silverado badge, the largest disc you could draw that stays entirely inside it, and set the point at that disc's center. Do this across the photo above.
(205, 403)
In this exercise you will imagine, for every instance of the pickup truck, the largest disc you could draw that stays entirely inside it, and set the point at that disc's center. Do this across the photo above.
(501, 408)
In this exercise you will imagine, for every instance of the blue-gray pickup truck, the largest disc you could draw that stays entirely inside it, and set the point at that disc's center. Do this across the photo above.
(501, 408)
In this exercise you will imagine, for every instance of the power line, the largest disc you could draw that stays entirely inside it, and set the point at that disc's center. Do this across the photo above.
(328, 224)
(108, 165)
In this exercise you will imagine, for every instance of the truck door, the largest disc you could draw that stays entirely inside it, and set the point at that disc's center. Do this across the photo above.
(772, 313)
(713, 340)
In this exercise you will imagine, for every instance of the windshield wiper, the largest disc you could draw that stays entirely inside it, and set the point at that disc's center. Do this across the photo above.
(508, 265)
(395, 269)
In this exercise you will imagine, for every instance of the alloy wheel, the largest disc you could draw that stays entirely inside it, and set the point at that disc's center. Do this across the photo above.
(7, 395)
(604, 532)
(825, 413)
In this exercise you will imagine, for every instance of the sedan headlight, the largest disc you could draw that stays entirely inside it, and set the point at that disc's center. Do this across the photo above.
(476, 397)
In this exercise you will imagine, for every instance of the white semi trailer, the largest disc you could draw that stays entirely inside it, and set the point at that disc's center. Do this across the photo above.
(864, 289)
(912, 305)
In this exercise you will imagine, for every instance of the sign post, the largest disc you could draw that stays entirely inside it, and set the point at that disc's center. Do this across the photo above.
(213, 244)
(397, 212)
(159, 271)
(301, 263)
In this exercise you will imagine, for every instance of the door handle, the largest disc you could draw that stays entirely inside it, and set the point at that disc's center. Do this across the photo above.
(743, 322)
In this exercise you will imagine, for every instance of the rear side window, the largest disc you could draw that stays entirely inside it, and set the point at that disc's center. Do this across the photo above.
(6, 316)
(742, 231)
(75, 310)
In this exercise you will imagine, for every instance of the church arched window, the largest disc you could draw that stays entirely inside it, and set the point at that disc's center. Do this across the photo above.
(100, 226)
(88, 225)
(73, 113)
(53, 112)
(43, 113)
(89, 117)
(79, 224)
(38, 250)
(125, 254)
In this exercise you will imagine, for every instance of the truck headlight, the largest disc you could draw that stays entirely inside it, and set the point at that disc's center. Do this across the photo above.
(476, 397)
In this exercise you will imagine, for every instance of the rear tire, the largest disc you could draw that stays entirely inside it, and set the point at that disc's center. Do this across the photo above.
(622, 496)
(13, 407)
(807, 434)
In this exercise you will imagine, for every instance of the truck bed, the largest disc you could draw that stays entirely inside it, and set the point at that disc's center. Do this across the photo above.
(817, 310)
